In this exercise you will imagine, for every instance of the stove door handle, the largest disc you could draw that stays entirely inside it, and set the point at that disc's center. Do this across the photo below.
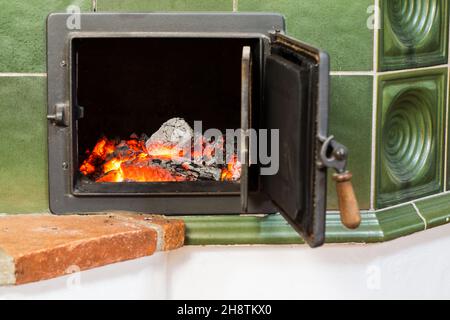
(334, 155)
(348, 205)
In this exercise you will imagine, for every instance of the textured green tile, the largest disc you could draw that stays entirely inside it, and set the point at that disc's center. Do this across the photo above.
(435, 210)
(350, 121)
(271, 229)
(229, 230)
(337, 26)
(164, 5)
(23, 155)
(410, 135)
(22, 32)
(448, 132)
(399, 222)
(414, 33)
(369, 231)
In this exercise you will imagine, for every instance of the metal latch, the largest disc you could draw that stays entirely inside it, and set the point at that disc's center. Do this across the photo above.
(334, 155)
(61, 115)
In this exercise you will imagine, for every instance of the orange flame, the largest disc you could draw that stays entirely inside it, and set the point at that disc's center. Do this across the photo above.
(130, 161)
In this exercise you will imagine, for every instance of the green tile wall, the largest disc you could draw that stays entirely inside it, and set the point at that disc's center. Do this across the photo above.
(23, 50)
(350, 113)
(410, 148)
(315, 22)
(414, 33)
(164, 5)
(337, 26)
(23, 155)
(400, 221)
(22, 32)
(436, 211)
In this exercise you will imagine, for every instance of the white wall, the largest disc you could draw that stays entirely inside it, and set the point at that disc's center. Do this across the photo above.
(417, 266)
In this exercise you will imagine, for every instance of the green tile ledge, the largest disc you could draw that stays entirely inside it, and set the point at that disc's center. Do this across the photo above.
(376, 226)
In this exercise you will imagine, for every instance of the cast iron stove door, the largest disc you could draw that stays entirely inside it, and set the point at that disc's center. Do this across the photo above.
(296, 105)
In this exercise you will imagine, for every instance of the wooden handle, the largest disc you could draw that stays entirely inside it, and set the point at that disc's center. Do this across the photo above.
(348, 205)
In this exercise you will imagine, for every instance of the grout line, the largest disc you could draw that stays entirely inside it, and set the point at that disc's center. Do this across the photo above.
(351, 73)
(363, 211)
(374, 142)
(446, 131)
(374, 104)
(376, 34)
(425, 223)
(235, 5)
(414, 201)
(373, 73)
(447, 110)
(414, 69)
(16, 74)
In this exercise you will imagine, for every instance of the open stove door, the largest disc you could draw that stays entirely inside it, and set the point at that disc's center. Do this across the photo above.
(296, 111)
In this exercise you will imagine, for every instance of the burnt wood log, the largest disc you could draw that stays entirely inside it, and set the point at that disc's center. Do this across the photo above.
(190, 171)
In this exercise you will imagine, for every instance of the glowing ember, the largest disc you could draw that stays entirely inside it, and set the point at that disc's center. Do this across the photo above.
(133, 161)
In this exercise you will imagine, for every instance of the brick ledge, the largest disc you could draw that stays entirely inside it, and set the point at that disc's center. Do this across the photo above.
(36, 247)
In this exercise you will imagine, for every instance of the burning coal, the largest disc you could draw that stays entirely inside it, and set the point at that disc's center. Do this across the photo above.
(167, 156)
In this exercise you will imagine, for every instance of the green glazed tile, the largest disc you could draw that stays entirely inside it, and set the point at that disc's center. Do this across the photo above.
(164, 5)
(399, 222)
(23, 145)
(339, 27)
(271, 229)
(350, 121)
(448, 133)
(229, 230)
(435, 210)
(369, 231)
(410, 135)
(414, 33)
(22, 32)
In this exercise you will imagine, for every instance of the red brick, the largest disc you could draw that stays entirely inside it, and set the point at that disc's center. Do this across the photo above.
(172, 231)
(37, 247)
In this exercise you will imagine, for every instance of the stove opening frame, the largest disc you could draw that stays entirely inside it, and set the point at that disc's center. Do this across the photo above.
(81, 186)
(64, 195)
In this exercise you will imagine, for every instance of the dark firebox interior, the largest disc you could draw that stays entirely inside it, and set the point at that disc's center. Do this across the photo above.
(134, 85)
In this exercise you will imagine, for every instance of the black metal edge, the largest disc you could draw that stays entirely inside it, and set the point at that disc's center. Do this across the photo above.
(322, 119)
(246, 109)
(182, 22)
(77, 188)
(149, 189)
(61, 199)
(322, 61)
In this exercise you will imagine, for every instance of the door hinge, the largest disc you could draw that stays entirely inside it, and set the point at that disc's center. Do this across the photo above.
(333, 155)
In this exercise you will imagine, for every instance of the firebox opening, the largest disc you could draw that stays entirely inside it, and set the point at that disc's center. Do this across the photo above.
(129, 87)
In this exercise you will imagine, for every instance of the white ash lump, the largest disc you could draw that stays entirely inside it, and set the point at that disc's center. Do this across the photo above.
(173, 132)
(178, 137)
